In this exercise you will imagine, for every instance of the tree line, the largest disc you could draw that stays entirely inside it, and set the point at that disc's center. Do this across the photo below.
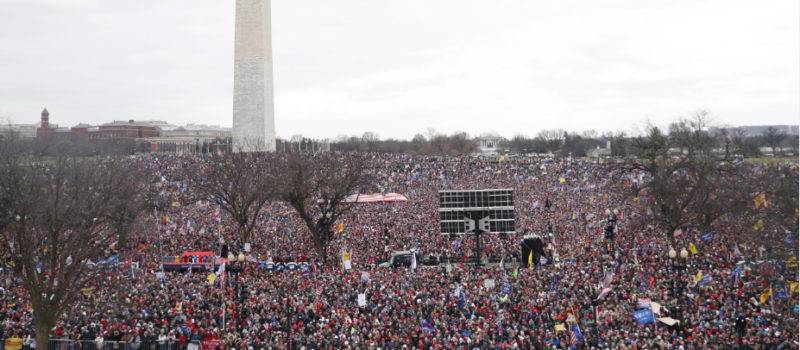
(731, 141)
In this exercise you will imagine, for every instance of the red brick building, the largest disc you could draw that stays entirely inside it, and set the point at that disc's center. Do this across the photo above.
(124, 130)
(115, 130)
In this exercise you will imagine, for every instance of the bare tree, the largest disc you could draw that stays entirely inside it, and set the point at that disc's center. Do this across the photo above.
(619, 144)
(681, 185)
(317, 186)
(742, 144)
(58, 209)
(773, 138)
(240, 183)
(132, 183)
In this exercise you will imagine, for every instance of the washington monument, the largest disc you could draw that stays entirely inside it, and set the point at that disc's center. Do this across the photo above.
(253, 111)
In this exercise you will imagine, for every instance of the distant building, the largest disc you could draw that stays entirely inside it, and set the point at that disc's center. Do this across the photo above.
(125, 130)
(25, 131)
(600, 152)
(109, 131)
(45, 129)
(192, 138)
(489, 144)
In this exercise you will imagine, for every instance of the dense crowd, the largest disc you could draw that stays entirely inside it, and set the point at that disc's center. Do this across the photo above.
(585, 294)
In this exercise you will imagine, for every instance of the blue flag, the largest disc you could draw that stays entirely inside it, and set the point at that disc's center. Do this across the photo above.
(462, 300)
(644, 316)
(427, 326)
(789, 239)
(111, 260)
(782, 294)
(506, 288)
(708, 236)
(555, 342)
(705, 280)
(737, 272)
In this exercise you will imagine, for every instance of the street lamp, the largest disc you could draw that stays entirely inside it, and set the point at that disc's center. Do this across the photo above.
(684, 253)
(241, 257)
(672, 254)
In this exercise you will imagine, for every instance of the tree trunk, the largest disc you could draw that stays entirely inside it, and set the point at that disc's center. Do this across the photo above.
(122, 232)
(322, 253)
(671, 236)
(320, 236)
(42, 327)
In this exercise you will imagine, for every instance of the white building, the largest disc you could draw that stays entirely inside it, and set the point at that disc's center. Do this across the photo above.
(26, 131)
(191, 138)
(600, 152)
(489, 144)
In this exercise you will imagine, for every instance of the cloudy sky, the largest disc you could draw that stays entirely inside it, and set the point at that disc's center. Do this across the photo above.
(400, 67)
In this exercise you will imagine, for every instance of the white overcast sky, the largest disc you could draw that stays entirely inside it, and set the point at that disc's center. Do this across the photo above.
(399, 67)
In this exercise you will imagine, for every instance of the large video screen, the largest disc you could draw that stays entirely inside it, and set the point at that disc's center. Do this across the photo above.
(456, 205)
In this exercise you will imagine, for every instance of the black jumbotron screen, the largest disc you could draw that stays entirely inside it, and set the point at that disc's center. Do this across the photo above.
(498, 204)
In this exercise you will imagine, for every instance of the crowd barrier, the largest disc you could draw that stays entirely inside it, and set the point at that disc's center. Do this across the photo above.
(289, 266)
(70, 344)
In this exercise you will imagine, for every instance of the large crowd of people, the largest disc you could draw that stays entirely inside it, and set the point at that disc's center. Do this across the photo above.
(591, 291)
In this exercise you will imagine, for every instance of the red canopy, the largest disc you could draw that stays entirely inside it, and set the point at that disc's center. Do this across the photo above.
(376, 198)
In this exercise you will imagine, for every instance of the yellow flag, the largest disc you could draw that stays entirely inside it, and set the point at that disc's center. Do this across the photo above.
(345, 255)
(765, 296)
(340, 227)
(759, 225)
(693, 248)
(530, 260)
(562, 180)
(698, 276)
(757, 201)
(791, 262)
(212, 277)
(794, 287)
(560, 327)
(760, 199)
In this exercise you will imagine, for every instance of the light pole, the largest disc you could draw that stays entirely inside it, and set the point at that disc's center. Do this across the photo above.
(672, 254)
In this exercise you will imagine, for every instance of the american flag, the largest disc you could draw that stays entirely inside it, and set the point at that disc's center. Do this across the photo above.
(575, 335)
(644, 303)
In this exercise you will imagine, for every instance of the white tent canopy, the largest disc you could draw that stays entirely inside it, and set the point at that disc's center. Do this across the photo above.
(376, 198)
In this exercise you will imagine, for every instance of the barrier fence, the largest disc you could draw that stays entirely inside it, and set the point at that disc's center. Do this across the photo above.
(70, 344)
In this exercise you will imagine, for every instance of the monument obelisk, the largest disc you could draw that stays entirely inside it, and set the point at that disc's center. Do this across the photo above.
(253, 110)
